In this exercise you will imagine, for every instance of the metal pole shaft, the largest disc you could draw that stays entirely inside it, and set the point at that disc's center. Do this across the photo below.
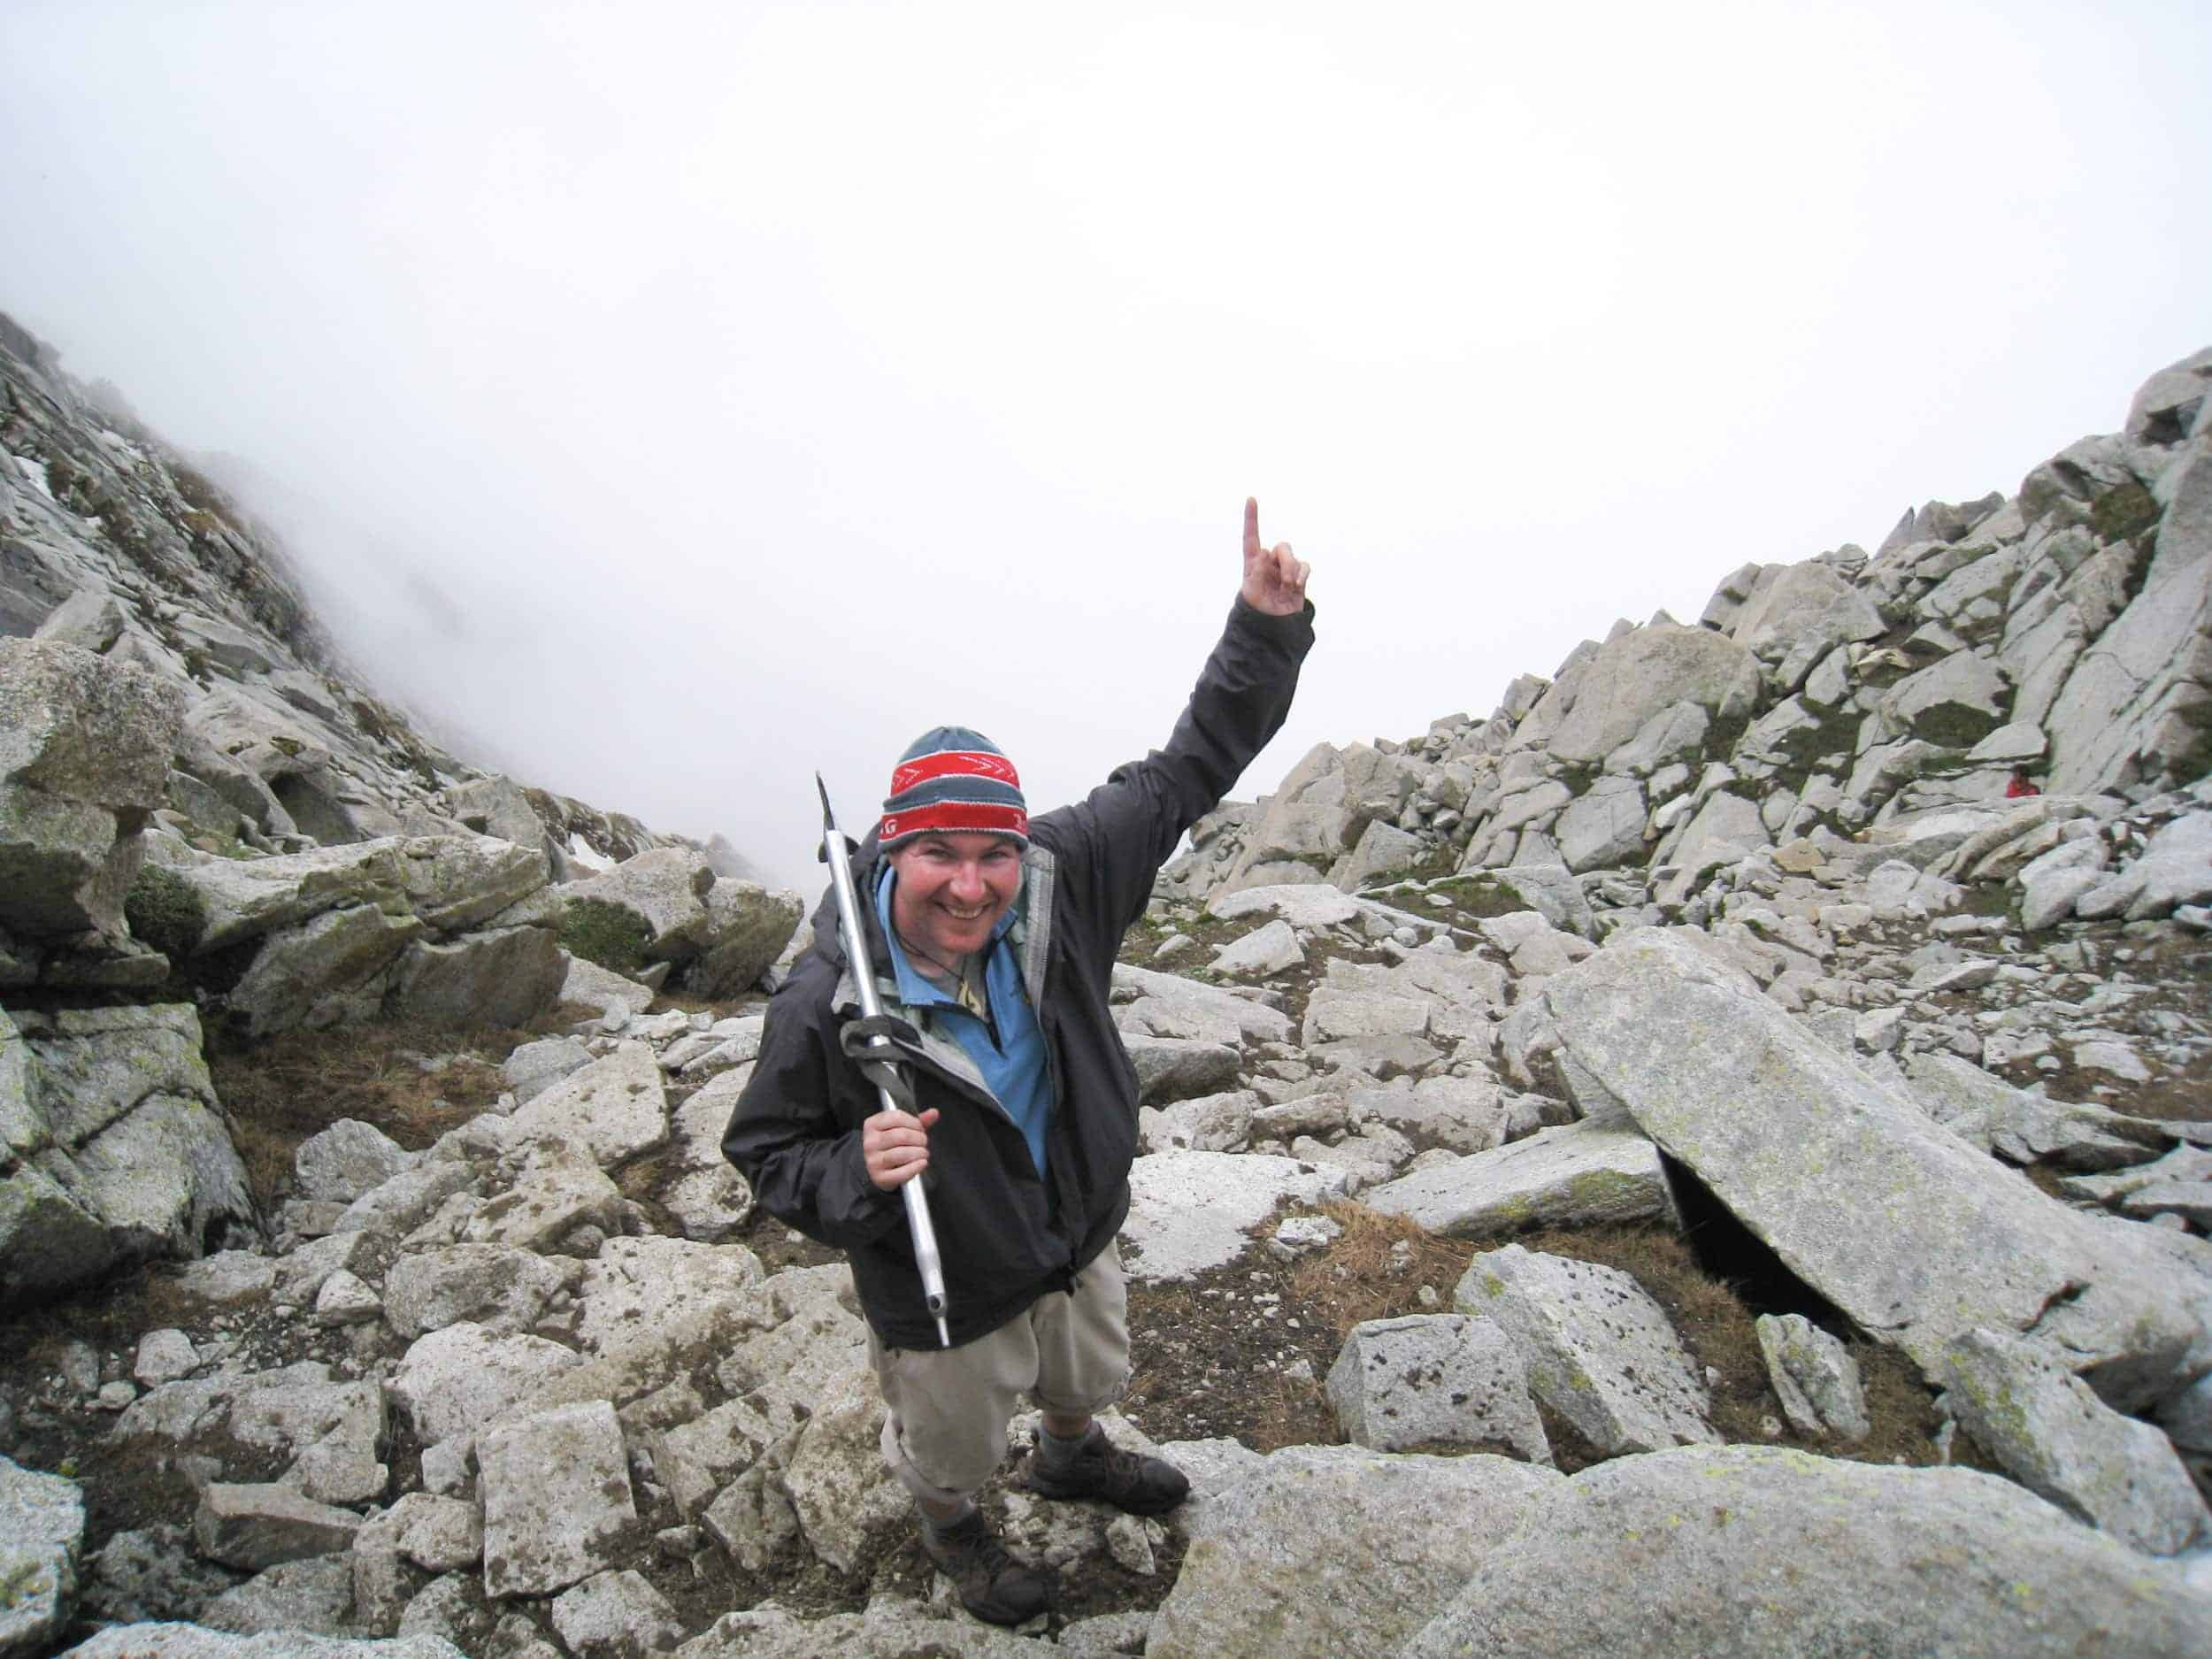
(919, 1227)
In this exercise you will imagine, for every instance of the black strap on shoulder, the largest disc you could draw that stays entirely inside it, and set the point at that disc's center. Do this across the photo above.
(871, 1044)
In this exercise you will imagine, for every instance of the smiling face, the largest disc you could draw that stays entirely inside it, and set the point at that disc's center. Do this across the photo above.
(952, 891)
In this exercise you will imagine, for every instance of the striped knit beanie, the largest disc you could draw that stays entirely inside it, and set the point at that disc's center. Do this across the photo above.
(953, 781)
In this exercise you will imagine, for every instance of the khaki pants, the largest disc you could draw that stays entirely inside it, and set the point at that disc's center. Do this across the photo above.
(946, 1429)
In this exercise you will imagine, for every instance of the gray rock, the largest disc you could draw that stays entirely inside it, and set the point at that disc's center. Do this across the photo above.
(1815, 1377)
(595, 987)
(1955, 703)
(1330, 1551)
(638, 1288)
(1466, 1115)
(503, 975)
(401, 1204)
(1383, 850)
(2048, 1430)
(1802, 614)
(1332, 1013)
(1171, 1069)
(331, 1429)
(189, 1641)
(847, 1502)
(1168, 1005)
(886, 1634)
(1431, 1379)
(164, 1357)
(1189, 1212)
(314, 1595)
(1301, 906)
(534, 1067)
(42, 1539)
(1212, 1123)
(1915, 1235)
(662, 891)
(249, 898)
(616, 1616)
(746, 928)
(495, 1286)
(709, 1205)
(331, 971)
(1750, 1550)
(126, 1158)
(556, 1499)
(346, 1160)
(2028, 1128)
(143, 1575)
(85, 744)
(1603, 826)
(1599, 1350)
(1584, 1174)
(1264, 950)
(462, 1380)
(1646, 671)
(542, 1192)
(615, 1107)
(257, 1526)
(300, 1274)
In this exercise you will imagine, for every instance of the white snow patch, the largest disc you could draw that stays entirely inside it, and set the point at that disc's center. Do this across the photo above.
(35, 471)
(587, 855)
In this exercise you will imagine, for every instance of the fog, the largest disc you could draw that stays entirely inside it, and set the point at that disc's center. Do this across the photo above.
(672, 399)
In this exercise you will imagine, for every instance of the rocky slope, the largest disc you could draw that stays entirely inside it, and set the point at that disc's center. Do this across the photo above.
(1727, 931)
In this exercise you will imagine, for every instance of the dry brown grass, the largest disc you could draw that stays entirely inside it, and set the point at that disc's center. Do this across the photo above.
(1358, 1277)
(280, 1092)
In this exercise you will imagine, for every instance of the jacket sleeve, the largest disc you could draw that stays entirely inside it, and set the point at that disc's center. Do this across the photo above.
(786, 1135)
(1127, 827)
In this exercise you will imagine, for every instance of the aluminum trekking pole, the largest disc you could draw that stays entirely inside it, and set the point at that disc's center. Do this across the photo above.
(837, 853)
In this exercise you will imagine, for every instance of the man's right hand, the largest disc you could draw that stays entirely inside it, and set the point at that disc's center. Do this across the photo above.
(895, 1146)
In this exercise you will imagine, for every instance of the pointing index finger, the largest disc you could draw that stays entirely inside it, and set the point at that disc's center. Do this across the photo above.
(1251, 528)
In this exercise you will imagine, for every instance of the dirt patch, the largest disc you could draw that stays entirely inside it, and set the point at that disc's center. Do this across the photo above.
(1218, 1354)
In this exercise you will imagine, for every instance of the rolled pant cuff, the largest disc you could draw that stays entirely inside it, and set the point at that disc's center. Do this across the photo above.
(902, 1466)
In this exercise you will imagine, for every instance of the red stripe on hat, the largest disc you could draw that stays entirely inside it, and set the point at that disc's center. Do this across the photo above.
(956, 817)
(953, 762)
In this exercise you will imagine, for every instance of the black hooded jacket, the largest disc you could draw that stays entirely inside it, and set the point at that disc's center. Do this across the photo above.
(1005, 1239)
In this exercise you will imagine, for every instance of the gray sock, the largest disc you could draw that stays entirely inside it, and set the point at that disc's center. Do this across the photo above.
(1055, 1452)
(935, 1529)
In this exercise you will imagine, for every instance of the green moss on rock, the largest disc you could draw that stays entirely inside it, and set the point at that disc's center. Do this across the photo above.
(607, 934)
(165, 912)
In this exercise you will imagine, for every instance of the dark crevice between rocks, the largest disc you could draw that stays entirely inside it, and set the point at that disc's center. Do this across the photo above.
(1728, 1250)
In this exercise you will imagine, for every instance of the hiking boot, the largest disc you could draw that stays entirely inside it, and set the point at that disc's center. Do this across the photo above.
(1102, 1470)
(993, 1585)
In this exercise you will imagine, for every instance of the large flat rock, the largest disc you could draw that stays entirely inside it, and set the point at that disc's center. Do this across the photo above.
(1580, 1174)
(1744, 1551)
(1330, 1550)
(1910, 1230)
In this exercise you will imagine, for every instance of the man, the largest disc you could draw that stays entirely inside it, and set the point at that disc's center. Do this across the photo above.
(993, 938)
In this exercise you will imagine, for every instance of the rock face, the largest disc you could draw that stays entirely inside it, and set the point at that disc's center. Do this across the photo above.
(84, 753)
(1727, 929)
(177, 701)
(1740, 1549)
(117, 1148)
(2067, 630)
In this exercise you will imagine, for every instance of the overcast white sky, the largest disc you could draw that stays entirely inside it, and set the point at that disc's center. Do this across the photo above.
(683, 397)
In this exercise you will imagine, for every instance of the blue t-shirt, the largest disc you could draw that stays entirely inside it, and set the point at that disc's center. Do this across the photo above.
(1014, 1064)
